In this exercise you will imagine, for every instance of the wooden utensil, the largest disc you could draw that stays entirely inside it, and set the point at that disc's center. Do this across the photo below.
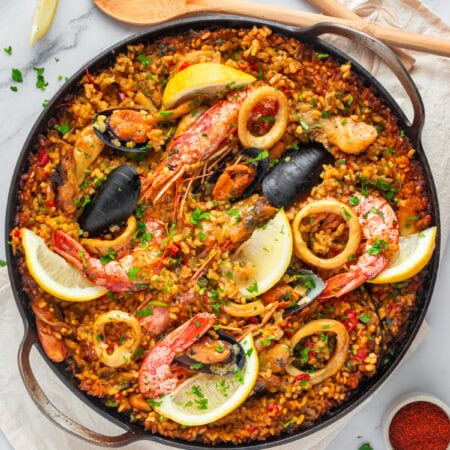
(334, 8)
(152, 12)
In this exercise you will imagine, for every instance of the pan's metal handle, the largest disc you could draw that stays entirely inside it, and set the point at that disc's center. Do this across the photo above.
(414, 128)
(56, 416)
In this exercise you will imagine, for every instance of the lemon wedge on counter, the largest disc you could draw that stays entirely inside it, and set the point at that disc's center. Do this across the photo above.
(203, 79)
(413, 255)
(267, 253)
(205, 398)
(54, 274)
(43, 18)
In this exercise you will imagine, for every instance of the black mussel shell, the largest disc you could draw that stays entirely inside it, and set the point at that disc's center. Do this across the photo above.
(114, 203)
(111, 139)
(235, 362)
(298, 171)
(304, 279)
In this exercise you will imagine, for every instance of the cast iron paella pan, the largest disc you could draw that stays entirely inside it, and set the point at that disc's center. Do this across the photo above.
(366, 387)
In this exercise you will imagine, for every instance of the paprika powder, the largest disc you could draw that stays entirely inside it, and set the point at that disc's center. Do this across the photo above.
(420, 425)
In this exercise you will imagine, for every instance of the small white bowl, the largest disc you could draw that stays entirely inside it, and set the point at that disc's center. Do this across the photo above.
(404, 400)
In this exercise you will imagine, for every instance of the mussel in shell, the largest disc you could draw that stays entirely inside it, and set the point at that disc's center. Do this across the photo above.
(216, 353)
(123, 129)
(114, 203)
(240, 181)
(298, 171)
(307, 284)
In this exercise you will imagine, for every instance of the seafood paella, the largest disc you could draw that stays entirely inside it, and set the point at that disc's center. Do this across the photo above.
(222, 234)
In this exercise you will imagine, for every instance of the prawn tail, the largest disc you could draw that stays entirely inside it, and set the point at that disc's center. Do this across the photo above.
(69, 248)
(343, 283)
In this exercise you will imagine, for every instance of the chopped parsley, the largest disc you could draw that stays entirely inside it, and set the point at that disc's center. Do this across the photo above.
(8, 50)
(40, 82)
(63, 129)
(197, 216)
(144, 60)
(45, 102)
(346, 214)
(322, 55)
(378, 246)
(253, 287)
(304, 125)
(13, 88)
(111, 403)
(364, 318)
(366, 446)
(354, 201)
(144, 312)
(153, 402)
(16, 75)
(132, 273)
(110, 256)
(165, 113)
(2, 263)
(293, 420)
(137, 353)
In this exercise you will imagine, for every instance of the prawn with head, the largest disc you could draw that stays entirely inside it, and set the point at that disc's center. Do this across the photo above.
(380, 228)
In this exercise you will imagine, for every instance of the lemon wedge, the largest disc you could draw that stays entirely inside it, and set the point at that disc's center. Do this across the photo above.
(203, 79)
(54, 274)
(43, 18)
(205, 398)
(267, 255)
(413, 255)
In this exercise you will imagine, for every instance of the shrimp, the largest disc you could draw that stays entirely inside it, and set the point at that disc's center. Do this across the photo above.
(155, 375)
(346, 134)
(380, 228)
(204, 139)
(115, 275)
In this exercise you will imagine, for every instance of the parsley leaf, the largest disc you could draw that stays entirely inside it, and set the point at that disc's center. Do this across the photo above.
(16, 75)
(197, 216)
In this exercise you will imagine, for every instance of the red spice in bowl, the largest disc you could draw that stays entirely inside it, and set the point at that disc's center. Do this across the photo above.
(420, 425)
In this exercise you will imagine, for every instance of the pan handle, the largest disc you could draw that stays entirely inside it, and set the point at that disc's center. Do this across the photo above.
(53, 414)
(414, 129)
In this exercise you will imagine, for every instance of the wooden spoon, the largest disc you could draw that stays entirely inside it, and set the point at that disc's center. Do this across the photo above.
(152, 12)
(333, 8)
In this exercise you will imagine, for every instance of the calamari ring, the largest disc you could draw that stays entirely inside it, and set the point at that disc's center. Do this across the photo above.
(339, 356)
(330, 206)
(103, 247)
(121, 353)
(278, 128)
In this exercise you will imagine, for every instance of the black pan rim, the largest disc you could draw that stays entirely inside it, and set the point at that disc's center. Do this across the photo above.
(371, 385)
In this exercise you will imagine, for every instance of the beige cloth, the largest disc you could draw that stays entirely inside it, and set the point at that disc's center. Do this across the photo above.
(26, 428)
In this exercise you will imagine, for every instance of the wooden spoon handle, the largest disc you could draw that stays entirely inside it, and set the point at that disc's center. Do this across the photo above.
(334, 8)
(390, 36)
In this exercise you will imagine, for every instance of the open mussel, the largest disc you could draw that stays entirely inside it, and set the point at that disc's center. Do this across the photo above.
(123, 129)
(304, 287)
(216, 353)
(240, 181)
(298, 171)
(114, 203)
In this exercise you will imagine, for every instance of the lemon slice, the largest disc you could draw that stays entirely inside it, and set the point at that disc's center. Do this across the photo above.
(205, 398)
(414, 253)
(54, 274)
(43, 18)
(203, 79)
(268, 252)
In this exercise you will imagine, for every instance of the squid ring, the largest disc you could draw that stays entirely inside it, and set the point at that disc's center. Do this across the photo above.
(279, 126)
(121, 353)
(103, 247)
(330, 206)
(340, 353)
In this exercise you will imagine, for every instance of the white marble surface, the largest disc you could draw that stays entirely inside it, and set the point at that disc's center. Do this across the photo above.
(79, 32)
